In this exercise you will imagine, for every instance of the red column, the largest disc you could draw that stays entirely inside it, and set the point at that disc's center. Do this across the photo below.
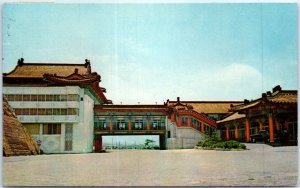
(173, 117)
(110, 125)
(202, 127)
(178, 121)
(227, 133)
(148, 124)
(271, 128)
(98, 143)
(129, 124)
(236, 135)
(189, 121)
(260, 125)
(277, 125)
(247, 130)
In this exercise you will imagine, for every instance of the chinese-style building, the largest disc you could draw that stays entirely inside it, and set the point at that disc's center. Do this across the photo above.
(190, 121)
(55, 102)
(275, 112)
(64, 107)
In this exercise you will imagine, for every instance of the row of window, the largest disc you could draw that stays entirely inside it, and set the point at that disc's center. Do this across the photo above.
(25, 97)
(195, 122)
(46, 111)
(122, 125)
(49, 128)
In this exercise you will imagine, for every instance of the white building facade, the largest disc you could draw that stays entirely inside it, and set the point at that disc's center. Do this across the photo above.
(59, 116)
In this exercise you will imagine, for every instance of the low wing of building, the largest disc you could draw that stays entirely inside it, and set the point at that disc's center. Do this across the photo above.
(274, 113)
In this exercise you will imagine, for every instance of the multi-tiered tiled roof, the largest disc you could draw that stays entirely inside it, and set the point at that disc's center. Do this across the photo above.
(277, 97)
(49, 74)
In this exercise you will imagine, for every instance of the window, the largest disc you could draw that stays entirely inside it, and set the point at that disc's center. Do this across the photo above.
(63, 98)
(73, 97)
(41, 97)
(34, 97)
(11, 97)
(154, 125)
(101, 125)
(56, 111)
(42, 111)
(121, 125)
(158, 124)
(26, 97)
(138, 124)
(49, 97)
(184, 120)
(33, 111)
(51, 128)
(56, 97)
(63, 111)
(18, 111)
(18, 98)
(25, 111)
(72, 111)
(49, 111)
(104, 125)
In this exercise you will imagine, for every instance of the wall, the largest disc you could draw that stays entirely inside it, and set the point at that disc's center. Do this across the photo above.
(82, 137)
(183, 137)
(83, 131)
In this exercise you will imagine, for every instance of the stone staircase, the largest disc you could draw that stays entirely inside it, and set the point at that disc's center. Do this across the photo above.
(183, 137)
(16, 139)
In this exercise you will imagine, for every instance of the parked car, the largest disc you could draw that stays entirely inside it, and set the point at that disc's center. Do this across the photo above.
(261, 136)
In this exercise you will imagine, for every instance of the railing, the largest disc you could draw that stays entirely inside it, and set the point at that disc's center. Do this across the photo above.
(203, 118)
(101, 128)
(126, 128)
(200, 117)
(194, 127)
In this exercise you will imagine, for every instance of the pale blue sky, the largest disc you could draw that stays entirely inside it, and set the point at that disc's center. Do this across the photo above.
(152, 52)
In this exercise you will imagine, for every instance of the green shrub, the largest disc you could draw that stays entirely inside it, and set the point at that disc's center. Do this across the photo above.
(242, 146)
(208, 143)
(231, 144)
(219, 145)
(199, 143)
(214, 141)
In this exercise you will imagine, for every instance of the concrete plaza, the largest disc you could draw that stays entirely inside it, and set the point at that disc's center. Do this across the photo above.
(262, 165)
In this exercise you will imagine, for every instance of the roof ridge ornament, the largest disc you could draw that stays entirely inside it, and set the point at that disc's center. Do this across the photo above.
(21, 61)
(88, 65)
(277, 88)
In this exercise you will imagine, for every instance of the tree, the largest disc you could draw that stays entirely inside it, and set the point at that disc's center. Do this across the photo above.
(147, 143)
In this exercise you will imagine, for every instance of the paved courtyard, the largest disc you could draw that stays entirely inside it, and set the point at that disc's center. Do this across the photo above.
(262, 165)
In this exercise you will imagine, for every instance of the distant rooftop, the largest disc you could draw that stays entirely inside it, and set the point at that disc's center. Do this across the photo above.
(210, 107)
